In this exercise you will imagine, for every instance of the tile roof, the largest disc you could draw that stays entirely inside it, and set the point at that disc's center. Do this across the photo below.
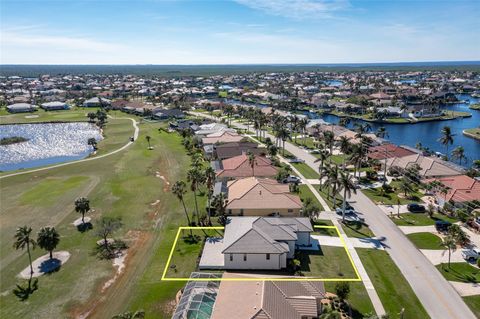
(429, 166)
(239, 166)
(387, 151)
(462, 188)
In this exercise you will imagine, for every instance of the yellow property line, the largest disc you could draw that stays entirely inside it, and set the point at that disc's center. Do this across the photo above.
(164, 278)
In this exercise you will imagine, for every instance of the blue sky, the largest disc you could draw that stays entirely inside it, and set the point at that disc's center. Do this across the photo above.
(236, 32)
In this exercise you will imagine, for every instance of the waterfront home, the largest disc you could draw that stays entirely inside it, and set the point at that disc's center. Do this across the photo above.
(461, 188)
(239, 166)
(256, 243)
(163, 114)
(96, 102)
(254, 196)
(21, 108)
(207, 129)
(388, 150)
(222, 137)
(430, 167)
(53, 106)
(268, 299)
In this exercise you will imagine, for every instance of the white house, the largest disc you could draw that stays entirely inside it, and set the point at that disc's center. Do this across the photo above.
(21, 108)
(56, 105)
(259, 243)
(96, 101)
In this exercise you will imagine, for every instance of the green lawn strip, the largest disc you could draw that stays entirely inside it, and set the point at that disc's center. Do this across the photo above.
(426, 240)
(391, 198)
(75, 114)
(358, 298)
(328, 262)
(357, 230)
(462, 272)
(473, 302)
(187, 252)
(306, 170)
(305, 192)
(392, 288)
(420, 219)
(324, 231)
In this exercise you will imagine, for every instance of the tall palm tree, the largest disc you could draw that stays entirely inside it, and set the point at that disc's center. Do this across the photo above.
(283, 135)
(48, 239)
(22, 241)
(322, 157)
(179, 189)
(381, 132)
(449, 244)
(252, 162)
(446, 138)
(346, 184)
(148, 138)
(329, 139)
(345, 146)
(459, 154)
(82, 206)
(294, 126)
(210, 177)
(196, 178)
(302, 125)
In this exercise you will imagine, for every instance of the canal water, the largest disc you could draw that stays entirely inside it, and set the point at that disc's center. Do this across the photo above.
(428, 133)
(48, 143)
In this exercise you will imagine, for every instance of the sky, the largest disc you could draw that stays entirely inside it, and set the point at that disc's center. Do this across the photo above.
(238, 31)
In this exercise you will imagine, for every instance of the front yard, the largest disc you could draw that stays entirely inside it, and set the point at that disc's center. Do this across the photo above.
(328, 262)
(462, 272)
(306, 171)
(426, 240)
(420, 219)
(379, 196)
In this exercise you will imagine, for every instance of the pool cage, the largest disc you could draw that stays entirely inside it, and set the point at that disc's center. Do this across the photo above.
(198, 297)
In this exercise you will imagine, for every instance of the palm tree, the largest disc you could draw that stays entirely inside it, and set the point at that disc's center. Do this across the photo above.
(93, 143)
(345, 183)
(283, 135)
(210, 177)
(196, 178)
(23, 240)
(322, 157)
(82, 206)
(302, 125)
(48, 239)
(446, 138)
(449, 244)
(332, 183)
(179, 190)
(381, 132)
(345, 146)
(252, 161)
(329, 139)
(459, 154)
(148, 138)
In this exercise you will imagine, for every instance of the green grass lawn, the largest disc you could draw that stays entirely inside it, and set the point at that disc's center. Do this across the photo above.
(473, 302)
(462, 272)
(420, 219)
(356, 229)
(187, 252)
(358, 298)
(426, 241)
(126, 185)
(306, 171)
(75, 114)
(392, 198)
(392, 288)
(305, 192)
(325, 231)
(328, 262)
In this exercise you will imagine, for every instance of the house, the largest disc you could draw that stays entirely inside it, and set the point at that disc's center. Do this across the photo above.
(232, 149)
(222, 137)
(256, 243)
(239, 166)
(254, 196)
(96, 102)
(388, 150)
(430, 167)
(164, 114)
(53, 106)
(206, 129)
(21, 107)
(267, 299)
(461, 188)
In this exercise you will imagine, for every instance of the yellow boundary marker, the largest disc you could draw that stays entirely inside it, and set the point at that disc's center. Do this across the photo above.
(180, 229)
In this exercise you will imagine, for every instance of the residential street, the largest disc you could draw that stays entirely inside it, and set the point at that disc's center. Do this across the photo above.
(439, 298)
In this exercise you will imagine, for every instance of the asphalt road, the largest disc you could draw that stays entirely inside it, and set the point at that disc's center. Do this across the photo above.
(438, 297)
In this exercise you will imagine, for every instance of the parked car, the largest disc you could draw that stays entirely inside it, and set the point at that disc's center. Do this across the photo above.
(296, 160)
(442, 225)
(416, 208)
(292, 179)
(471, 255)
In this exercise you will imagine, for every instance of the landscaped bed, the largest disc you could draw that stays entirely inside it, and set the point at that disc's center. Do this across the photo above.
(392, 197)
(426, 240)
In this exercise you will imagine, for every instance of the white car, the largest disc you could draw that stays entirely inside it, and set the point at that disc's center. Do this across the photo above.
(471, 255)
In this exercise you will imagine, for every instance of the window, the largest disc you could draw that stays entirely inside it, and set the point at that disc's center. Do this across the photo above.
(231, 257)
(290, 210)
(241, 212)
(268, 256)
(244, 257)
(229, 212)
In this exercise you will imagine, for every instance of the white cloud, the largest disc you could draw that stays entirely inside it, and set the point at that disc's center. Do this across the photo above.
(297, 9)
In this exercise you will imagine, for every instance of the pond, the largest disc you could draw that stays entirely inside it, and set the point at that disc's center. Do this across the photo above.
(47, 143)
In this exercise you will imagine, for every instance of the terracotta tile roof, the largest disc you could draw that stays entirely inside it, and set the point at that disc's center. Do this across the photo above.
(239, 166)
(261, 193)
(387, 151)
(222, 137)
(462, 188)
(429, 166)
